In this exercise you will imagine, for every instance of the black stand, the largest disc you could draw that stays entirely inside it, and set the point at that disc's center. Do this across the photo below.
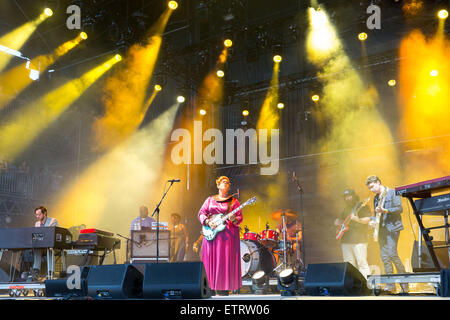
(157, 218)
(302, 220)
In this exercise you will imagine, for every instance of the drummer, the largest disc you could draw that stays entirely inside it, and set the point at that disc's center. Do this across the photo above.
(293, 226)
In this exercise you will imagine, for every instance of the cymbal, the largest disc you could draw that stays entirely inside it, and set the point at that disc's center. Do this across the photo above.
(289, 214)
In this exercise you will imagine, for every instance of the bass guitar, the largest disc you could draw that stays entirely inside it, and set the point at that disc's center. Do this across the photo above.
(220, 221)
(343, 228)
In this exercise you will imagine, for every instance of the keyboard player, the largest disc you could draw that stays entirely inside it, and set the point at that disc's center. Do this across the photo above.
(42, 220)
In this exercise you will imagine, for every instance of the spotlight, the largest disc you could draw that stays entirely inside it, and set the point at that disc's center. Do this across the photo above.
(277, 58)
(287, 282)
(48, 12)
(362, 36)
(202, 112)
(220, 73)
(173, 5)
(280, 105)
(158, 87)
(245, 113)
(443, 14)
(228, 43)
(118, 57)
(180, 99)
(260, 282)
(392, 83)
(83, 35)
(434, 73)
(315, 98)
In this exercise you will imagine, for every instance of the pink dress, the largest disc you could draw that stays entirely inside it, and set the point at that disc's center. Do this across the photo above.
(221, 256)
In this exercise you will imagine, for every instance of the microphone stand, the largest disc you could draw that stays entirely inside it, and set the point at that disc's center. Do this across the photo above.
(157, 218)
(302, 220)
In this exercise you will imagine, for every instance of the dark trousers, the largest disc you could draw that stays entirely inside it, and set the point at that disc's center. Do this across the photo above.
(388, 249)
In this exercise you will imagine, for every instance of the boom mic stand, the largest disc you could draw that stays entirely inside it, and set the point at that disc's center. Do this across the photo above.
(157, 217)
(302, 220)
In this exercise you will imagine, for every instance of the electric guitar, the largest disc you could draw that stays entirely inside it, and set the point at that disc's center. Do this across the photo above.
(379, 215)
(220, 221)
(343, 228)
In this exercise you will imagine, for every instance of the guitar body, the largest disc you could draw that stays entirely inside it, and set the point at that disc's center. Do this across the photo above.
(220, 221)
(343, 228)
(378, 216)
(209, 233)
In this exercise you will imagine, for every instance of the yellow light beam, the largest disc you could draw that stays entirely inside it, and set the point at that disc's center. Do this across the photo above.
(125, 90)
(17, 79)
(268, 116)
(17, 38)
(22, 128)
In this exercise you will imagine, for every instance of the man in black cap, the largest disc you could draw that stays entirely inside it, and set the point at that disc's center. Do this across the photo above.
(354, 240)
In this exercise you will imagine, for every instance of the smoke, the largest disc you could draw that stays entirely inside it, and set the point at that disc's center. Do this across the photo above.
(109, 193)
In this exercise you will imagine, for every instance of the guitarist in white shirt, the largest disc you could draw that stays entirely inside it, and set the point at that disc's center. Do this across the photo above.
(354, 241)
(390, 226)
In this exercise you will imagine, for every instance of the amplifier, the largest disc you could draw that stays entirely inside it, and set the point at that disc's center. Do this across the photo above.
(144, 244)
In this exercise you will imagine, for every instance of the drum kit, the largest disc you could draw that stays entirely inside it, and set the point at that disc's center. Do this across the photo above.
(269, 250)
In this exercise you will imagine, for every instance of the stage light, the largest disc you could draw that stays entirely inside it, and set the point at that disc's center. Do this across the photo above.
(220, 73)
(392, 83)
(173, 5)
(315, 98)
(260, 282)
(180, 99)
(202, 112)
(434, 73)
(245, 113)
(48, 12)
(443, 14)
(83, 35)
(280, 105)
(118, 57)
(287, 282)
(158, 87)
(228, 43)
(362, 36)
(277, 58)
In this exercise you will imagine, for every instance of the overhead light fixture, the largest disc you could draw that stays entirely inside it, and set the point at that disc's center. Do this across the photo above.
(434, 73)
(280, 105)
(157, 87)
(392, 82)
(202, 112)
(83, 35)
(315, 98)
(443, 14)
(228, 43)
(118, 57)
(277, 58)
(245, 113)
(287, 282)
(362, 36)
(260, 282)
(48, 12)
(180, 99)
(173, 5)
(220, 73)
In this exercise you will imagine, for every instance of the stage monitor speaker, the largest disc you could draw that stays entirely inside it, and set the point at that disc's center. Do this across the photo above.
(60, 288)
(427, 262)
(178, 280)
(444, 290)
(116, 281)
(334, 279)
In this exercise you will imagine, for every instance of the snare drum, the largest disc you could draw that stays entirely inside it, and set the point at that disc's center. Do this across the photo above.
(253, 236)
(269, 238)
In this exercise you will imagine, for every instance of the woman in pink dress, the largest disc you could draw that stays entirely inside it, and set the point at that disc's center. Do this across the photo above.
(221, 256)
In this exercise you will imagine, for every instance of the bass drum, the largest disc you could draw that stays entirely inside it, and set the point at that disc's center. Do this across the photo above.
(254, 257)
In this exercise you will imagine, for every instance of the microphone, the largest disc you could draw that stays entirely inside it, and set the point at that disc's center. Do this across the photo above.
(174, 180)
